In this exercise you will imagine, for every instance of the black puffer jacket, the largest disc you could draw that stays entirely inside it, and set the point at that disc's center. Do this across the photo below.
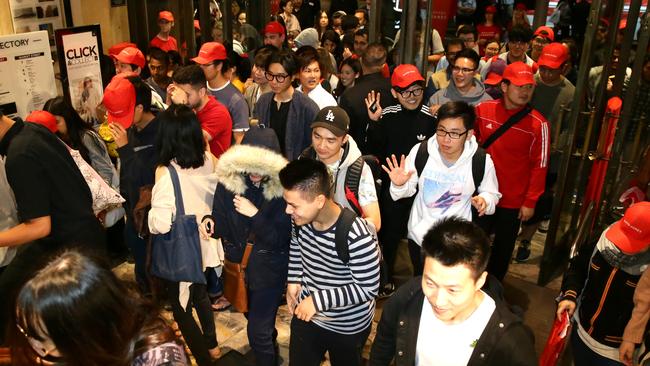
(505, 340)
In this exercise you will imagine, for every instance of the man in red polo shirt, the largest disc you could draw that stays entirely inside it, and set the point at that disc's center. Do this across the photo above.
(520, 157)
(163, 39)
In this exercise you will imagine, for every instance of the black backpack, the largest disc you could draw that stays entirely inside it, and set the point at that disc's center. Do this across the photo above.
(343, 226)
(478, 163)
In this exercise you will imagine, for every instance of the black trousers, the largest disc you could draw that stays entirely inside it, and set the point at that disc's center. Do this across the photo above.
(504, 224)
(262, 308)
(417, 259)
(199, 340)
(394, 224)
(309, 342)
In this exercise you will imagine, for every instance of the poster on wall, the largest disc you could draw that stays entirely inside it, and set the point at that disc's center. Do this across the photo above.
(79, 51)
(35, 15)
(26, 73)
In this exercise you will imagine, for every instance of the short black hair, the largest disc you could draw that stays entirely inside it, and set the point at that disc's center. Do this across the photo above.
(286, 58)
(467, 29)
(470, 54)
(519, 33)
(263, 54)
(349, 23)
(159, 55)
(142, 92)
(332, 36)
(361, 32)
(453, 241)
(180, 137)
(458, 109)
(305, 55)
(374, 55)
(451, 41)
(308, 176)
(191, 74)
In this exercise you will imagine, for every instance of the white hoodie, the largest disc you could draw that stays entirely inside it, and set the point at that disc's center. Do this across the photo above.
(445, 191)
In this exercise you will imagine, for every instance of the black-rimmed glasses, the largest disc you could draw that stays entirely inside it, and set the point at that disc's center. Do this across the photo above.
(280, 78)
(452, 134)
(414, 92)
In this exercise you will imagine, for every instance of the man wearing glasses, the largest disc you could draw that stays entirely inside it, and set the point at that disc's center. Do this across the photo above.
(518, 39)
(464, 87)
(394, 130)
(520, 156)
(445, 186)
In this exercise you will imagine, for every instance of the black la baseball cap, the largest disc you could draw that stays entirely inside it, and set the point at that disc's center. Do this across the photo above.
(334, 119)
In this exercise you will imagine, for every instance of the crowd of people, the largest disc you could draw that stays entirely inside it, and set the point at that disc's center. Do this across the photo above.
(303, 152)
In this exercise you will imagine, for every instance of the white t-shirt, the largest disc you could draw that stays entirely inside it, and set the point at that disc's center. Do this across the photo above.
(443, 344)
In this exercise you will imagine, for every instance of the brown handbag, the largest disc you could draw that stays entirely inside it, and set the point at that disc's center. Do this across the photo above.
(235, 281)
(141, 211)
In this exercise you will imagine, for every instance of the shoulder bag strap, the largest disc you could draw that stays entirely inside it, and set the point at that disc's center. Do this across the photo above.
(180, 209)
(506, 126)
(247, 251)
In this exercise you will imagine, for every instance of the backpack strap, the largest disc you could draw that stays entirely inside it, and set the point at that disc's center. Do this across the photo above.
(343, 226)
(478, 168)
(506, 126)
(422, 156)
(352, 182)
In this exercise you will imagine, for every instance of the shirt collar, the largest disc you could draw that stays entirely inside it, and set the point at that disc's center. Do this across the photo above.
(11, 133)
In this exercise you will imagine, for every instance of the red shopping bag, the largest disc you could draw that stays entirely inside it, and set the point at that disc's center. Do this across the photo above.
(556, 341)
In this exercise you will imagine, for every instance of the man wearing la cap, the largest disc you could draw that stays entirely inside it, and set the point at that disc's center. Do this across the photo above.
(520, 157)
(215, 64)
(542, 37)
(552, 93)
(163, 39)
(599, 284)
(394, 130)
(331, 144)
(274, 34)
(134, 128)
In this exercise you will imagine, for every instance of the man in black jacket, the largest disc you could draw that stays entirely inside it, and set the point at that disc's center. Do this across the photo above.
(459, 324)
(353, 99)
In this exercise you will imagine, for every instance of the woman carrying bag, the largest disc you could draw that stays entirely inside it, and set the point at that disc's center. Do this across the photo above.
(248, 204)
(187, 168)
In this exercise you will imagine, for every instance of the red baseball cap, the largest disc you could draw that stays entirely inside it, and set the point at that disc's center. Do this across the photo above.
(131, 55)
(553, 55)
(521, 6)
(622, 24)
(404, 75)
(166, 15)
(495, 72)
(518, 73)
(119, 100)
(631, 234)
(545, 32)
(491, 9)
(43, 118)
(117, 48)
(197, 25)
(210, 51)
(273, 27)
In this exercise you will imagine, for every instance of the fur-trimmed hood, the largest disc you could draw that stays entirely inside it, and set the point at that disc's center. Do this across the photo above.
(251, 159)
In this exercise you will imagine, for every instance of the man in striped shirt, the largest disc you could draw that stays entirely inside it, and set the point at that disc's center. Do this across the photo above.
(332, 299)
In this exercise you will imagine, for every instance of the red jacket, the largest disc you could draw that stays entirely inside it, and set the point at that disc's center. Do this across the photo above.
(520, 155)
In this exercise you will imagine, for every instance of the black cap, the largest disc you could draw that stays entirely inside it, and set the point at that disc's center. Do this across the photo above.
(334, 119)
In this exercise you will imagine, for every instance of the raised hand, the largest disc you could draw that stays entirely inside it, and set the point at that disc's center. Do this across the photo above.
(370, 99)
(397, 172)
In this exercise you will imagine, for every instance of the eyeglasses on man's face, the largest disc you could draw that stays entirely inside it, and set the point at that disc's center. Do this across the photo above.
(464, 70)
(452, 134)
(280, 78)
(414, 92)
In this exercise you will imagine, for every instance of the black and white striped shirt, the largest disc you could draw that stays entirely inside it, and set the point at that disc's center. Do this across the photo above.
(344, 295)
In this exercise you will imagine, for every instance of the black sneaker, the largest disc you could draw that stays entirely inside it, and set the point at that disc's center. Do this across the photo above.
(523, 252)
(386, 291)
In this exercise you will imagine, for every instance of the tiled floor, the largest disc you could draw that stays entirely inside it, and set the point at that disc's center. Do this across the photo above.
(520, 289)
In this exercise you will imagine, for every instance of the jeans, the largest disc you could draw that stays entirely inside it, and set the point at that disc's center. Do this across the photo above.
(138, 248)
(262, 308)
(215, 284)
(584, 356)
(309, 342)
(199, 340)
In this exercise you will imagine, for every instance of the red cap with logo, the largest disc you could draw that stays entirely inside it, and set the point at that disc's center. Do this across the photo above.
(518, 73)
(631, 234)
(210, 51)
(119, 100)
(166, 15)
(404, 75)
(553, 55)
(273, 27)
(43, 118)
(131, 55)
(545, 32)
(491, 9)
(116, 49)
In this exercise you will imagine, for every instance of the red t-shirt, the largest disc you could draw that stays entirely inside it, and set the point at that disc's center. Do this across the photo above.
(169, 45)
(520, 155)
(216, 121)
(487, 33)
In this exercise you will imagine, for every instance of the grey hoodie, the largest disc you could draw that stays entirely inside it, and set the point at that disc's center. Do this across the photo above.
(308, 37)
(450, 93)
